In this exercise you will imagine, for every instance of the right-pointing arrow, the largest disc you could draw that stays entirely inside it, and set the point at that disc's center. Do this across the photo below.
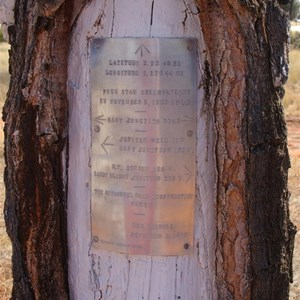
(187, 119)
(189, 174)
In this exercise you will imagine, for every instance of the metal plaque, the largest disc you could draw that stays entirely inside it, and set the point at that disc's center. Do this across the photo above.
(143, 126)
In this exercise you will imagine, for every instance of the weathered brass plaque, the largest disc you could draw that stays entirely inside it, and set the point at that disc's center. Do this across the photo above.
(143, 110)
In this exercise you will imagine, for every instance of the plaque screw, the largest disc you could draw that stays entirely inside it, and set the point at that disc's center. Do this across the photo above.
(97, 128)
(95, 239)
(189, 133)
(186, 246)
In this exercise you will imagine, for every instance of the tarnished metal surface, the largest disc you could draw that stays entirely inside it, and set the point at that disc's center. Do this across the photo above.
(143, 110)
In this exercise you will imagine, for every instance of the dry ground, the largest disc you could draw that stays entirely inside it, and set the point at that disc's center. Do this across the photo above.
(294, 187)
(292, 108)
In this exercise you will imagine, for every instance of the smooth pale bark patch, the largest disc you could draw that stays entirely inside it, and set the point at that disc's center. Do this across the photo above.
(135, 277)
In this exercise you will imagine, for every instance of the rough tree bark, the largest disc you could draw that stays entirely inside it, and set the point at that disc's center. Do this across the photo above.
(248, 67)
(244, 66)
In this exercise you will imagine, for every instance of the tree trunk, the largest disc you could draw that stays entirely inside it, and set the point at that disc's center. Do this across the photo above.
(243, 234)
(35, 117)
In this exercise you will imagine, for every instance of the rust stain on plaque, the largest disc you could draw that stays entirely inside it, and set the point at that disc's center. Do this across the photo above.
(143, 126)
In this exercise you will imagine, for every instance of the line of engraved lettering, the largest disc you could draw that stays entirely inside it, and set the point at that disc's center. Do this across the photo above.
(169, 236)
(166, 92)
(160, 226)
(98, 192)
(139, 214)
(147, 178)
(139, 235)
(110, 175)
(169, 178)
(166, 63)
(161, 140)
(110, 91)
(154, 150)
(102, 100)
(114, 120)
(163, 169)
(116, 167)
(171, 121)
(140, 204)
(140, 130)
(118, 176)
(177, 140)
(151, 63)
(172, 196)
(133, 168)
(155, 102)
(140, 111)
(183, 150)
(140, 195)
(173, 102)
(100, 174)
(163, 150)
(160, 73)
(125, 62)
(138, 225)
(177, 235)
(123, 194)
(121, 72)
(139, 186)
(117, 92)
(172, 63)
(181, 102)
(127, 148)
(150, 121)
(120, 194)
(131, 139)
(121, 101)
(121, 176)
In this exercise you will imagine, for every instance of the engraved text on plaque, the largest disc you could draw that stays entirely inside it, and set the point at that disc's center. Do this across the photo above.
(143, 110)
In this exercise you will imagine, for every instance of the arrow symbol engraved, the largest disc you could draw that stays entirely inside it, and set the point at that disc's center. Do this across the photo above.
(189, 174)
(100, 119)
(106, 144)
(187, 119)
(142, 50)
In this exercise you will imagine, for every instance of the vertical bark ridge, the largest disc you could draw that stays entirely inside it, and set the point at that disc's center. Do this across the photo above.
(226, 56)
(271, 230)
(262, 163)
(35, 117)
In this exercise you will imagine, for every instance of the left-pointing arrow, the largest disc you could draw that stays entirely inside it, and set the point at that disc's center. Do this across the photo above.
(106, 144)
(100, 119)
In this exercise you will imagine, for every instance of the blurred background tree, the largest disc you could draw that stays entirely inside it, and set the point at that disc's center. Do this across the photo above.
(292, 7)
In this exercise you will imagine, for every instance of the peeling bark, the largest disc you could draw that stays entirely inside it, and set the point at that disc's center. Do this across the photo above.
(35, 117)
